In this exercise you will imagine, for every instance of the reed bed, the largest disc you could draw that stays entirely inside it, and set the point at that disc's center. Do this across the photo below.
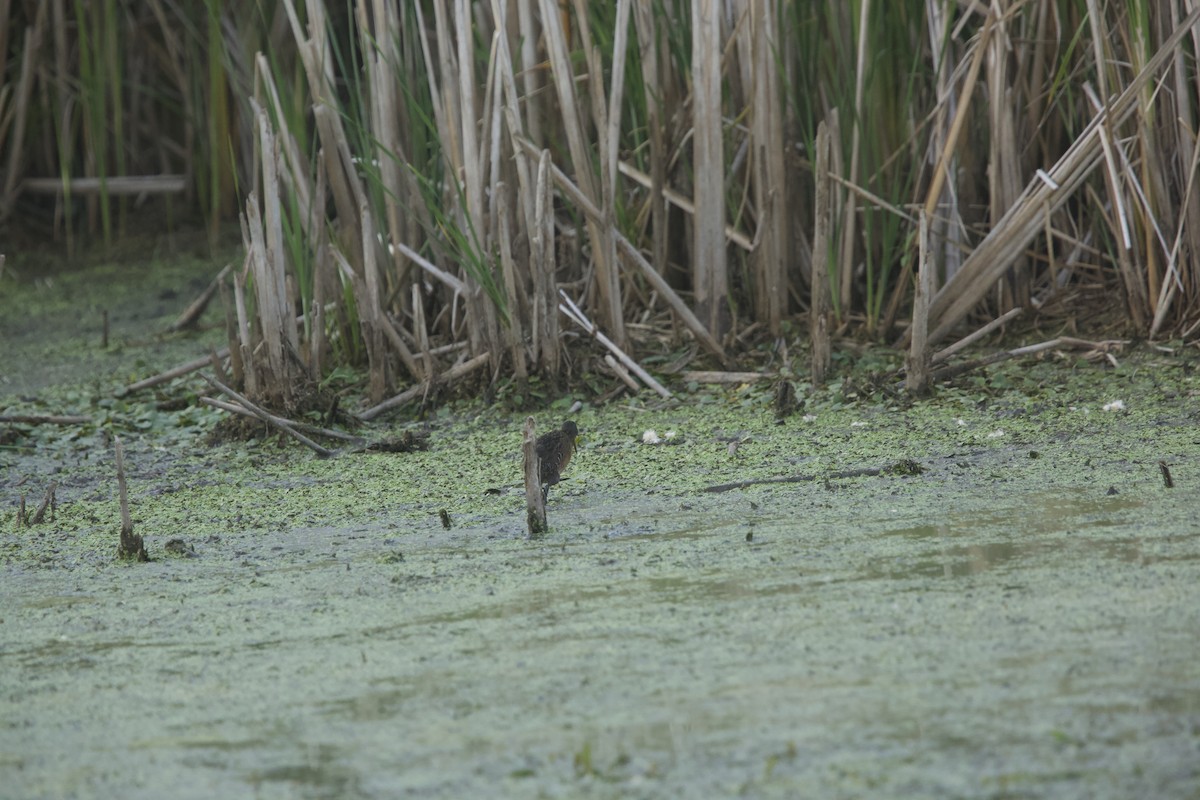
(449, 190)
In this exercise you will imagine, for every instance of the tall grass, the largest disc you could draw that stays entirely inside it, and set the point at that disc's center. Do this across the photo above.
(445, 169)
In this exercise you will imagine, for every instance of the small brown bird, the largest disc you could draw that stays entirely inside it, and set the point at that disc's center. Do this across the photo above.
(554, 451)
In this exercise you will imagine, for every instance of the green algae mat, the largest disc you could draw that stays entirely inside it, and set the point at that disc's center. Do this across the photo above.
(1014, 612)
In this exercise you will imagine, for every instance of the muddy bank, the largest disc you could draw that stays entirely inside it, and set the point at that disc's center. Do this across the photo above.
(1018, 619)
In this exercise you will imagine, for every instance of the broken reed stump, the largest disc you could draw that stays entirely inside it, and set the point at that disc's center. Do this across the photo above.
(48, 502)
(822, 300)
(535, 501)
(131, 546)
(917, 378)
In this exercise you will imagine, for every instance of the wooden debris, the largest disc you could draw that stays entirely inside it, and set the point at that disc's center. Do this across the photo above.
(278, 422)
(573, 311)
(192, 313)
(236, 408)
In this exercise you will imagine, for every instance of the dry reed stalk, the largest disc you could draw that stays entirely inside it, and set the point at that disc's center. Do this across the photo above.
(531, 72)
(16, 138)
(542, 267)
(712, 376)
(175, 372)
(916, 378)
(1024, 220)
(277, 321)
(1096, 349)
(245, 350)
(684, 204)
(370, 310)
(601, 237)
(380, 46)
(322, 277)
(535, 501)
(974, 336)
(511, 106)
(455, 373)
(622, 373)
(850, 207)
(634, 256)
(946, 225)
(769, 168)
(116, 186)
(315, 55)
(516, 336)
(421, 330)
(4, 29)
(454, 284)
(1173, 279)
(1112, 175)
(467, 114)
(1188, 225)
(1004, 147)
(296, 174)
(649, 43)
(709, 268)
(821, 299)
(608, 128)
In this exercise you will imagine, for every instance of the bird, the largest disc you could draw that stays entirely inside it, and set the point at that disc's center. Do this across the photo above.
(554, 451)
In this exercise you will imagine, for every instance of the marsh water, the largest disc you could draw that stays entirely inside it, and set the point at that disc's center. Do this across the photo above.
(1019, 619)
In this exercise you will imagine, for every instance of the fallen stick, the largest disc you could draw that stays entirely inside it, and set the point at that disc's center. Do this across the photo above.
(114, 186)
(579, 318)
(413, 392)
(175, 372)
(849, 473)
(193, 311)
(44, 419)
(622, 373)
(705, 376)
(271, 419)
(942, 355)
(945, 373)
(304, 426)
